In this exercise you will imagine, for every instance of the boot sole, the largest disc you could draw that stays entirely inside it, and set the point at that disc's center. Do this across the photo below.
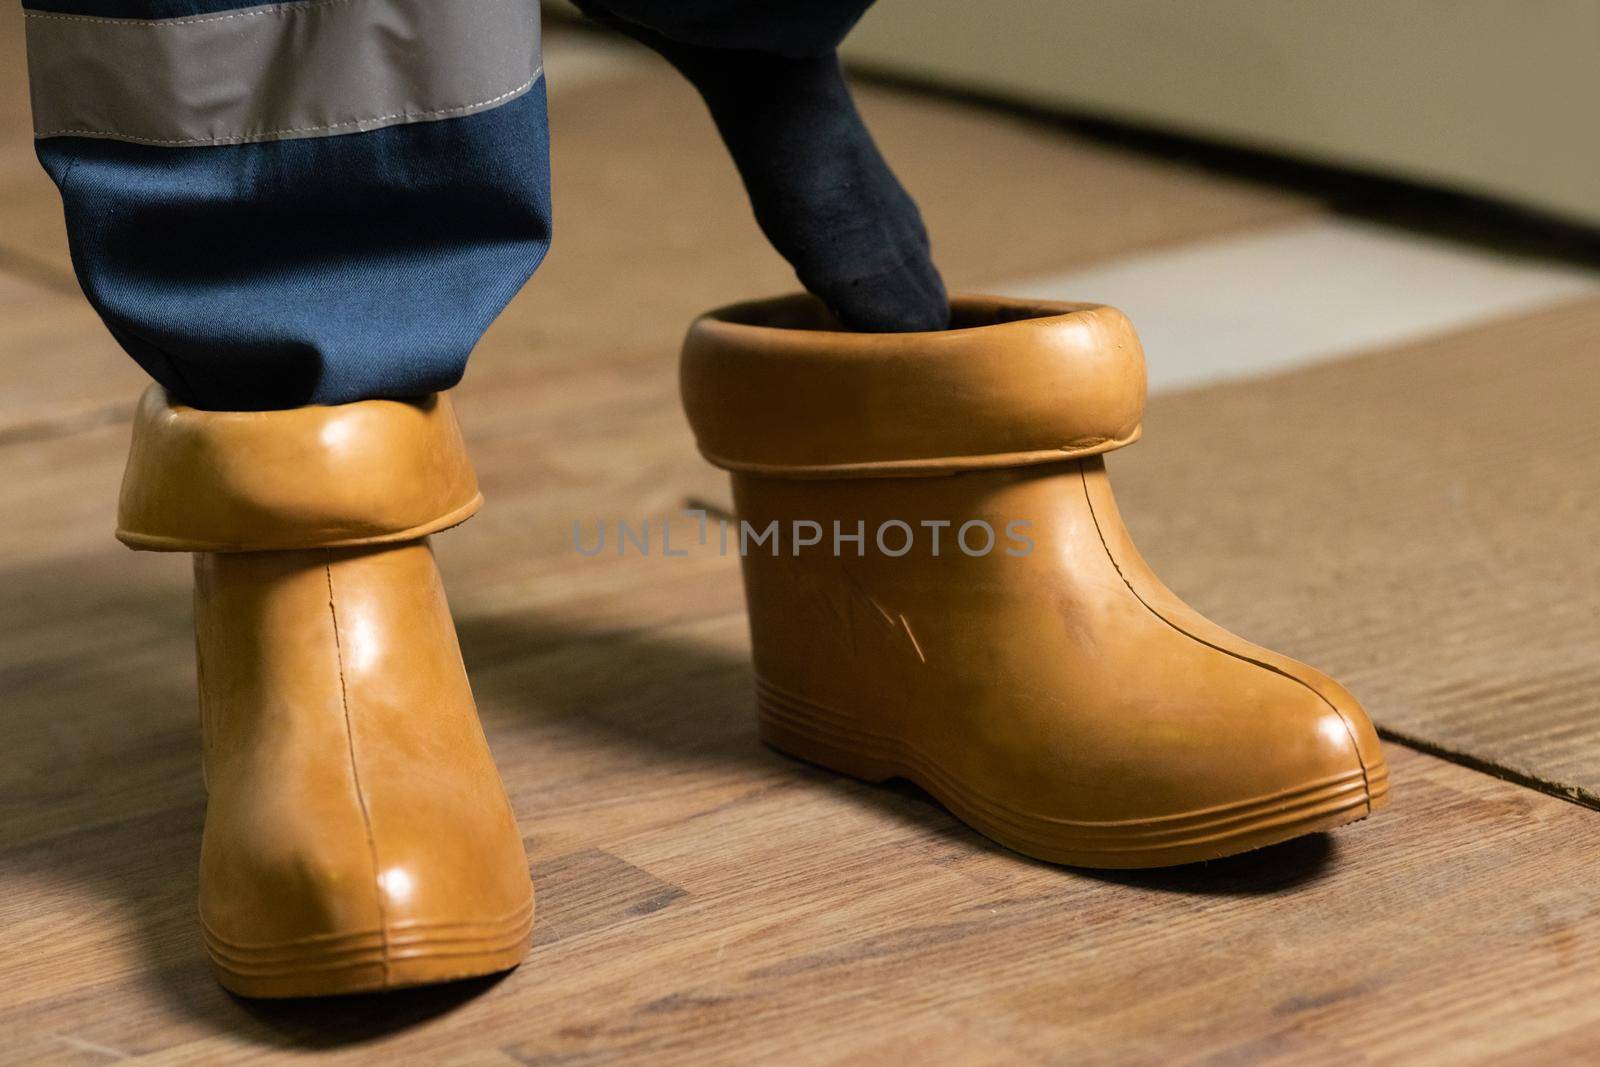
(371, 961)
(830, 739)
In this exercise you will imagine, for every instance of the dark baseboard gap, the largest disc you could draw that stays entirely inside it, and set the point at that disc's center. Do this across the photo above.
(1496, 224)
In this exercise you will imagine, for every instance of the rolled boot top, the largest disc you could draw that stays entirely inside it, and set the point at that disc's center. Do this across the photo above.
(776, 388)
(366, 473)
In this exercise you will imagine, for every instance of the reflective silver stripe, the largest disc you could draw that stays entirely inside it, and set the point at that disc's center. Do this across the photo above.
(311, 69)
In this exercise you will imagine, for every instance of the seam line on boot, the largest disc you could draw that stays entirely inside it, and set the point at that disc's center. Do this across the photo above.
(355, 774)
(1361, 762)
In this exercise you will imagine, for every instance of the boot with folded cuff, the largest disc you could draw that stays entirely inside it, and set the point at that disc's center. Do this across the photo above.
(357, 836)
(940, 589)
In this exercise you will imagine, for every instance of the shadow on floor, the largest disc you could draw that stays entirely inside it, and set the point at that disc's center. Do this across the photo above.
(1273, 869)
(317, 1023)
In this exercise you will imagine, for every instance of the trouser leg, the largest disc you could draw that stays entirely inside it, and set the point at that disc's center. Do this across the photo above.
(310, 203)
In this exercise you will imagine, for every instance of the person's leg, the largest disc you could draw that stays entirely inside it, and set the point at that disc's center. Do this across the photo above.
(302, 216)
(821, 190)
(316, 204)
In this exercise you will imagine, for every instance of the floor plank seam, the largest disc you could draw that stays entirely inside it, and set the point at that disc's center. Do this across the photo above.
(1572, 794)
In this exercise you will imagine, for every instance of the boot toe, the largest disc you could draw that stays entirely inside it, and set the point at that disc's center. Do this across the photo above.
(1223, 753)
(1291, 756)
(1352, 737)
(306, 920)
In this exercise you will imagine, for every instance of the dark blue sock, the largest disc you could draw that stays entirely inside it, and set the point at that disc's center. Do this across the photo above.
(821, 190)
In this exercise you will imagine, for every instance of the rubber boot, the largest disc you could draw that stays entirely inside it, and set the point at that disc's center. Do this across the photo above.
(357, 836)
(940, 589)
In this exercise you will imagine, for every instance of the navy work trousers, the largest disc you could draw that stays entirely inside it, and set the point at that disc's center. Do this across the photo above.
(325, 200)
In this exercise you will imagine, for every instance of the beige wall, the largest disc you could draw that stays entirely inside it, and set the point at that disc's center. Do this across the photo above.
(1489, 96)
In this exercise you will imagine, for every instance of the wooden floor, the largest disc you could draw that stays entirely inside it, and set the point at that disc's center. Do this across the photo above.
(702, 899)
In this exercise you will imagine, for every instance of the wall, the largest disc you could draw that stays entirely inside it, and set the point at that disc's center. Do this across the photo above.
(1495, 97)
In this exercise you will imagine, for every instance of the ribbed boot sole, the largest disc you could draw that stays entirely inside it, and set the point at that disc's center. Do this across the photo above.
(831, 739)
(372, 961)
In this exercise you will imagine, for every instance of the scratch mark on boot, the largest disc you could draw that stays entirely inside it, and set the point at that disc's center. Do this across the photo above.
(913, 637)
